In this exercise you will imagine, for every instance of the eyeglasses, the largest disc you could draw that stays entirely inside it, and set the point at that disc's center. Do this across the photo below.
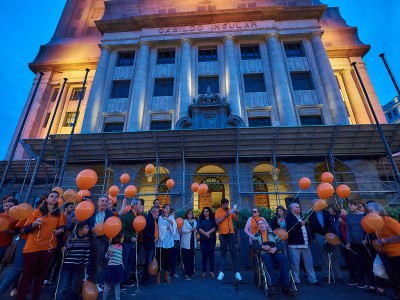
(254, 211)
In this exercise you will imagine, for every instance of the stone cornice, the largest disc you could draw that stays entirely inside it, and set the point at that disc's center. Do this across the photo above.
(61, 67)
(278, 13)
(347, 51)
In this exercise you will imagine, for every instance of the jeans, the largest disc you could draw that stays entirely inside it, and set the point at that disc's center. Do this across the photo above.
(66, 284)
(117, 291)
(364, 263)
(280, 259)
(305, 253)
(188, 261)
(149, 255)
(129, 258)
(175, 253)
(351, 267)
(225, 240)
(35, 267)
(207, 253)
(16, 271)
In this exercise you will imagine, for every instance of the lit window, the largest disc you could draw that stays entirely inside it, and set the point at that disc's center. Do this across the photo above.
(259, 122)
(208, 81)
(301, 81)
(114, 127)
(69, 119)
(163, 87)
(160, 125)
(120, 89)
(166, 57)
(208, 55)
(293, 50)
(254, 83)
(76, 92)
(125, 59)
(250, 52)
(311, 120)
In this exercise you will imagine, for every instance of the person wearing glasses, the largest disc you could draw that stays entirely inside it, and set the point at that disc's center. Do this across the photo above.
(207, 228)
(251, 228)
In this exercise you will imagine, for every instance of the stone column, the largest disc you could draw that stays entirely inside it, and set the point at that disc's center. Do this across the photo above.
(371, 92)
(356, 102)
(96, 97)
(185, 81)
(333, 98)
(284, 101)
(139, 88)
(231, 79)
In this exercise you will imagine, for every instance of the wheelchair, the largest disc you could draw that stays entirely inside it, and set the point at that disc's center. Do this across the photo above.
(262, 279)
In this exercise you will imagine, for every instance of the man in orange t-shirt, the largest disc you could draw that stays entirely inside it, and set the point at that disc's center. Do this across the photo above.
(224, 219)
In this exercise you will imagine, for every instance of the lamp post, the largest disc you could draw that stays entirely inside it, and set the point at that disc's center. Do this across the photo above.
(382, 55)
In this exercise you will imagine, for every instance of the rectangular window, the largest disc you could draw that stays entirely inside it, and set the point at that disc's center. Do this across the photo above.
(75, 94)
(250, 52)
(293, 50)
(301, 81)
(160, 125)
(46, 120)
(390, 115)
(120, 89)
(114, 127)
(259, 122)
(311, 120)
(208, 81)
(125, 59)
(395, 112)
(163, 87)
(208, 55)
(254, 83)
(54, 95)
(69, 119)
(166, 57)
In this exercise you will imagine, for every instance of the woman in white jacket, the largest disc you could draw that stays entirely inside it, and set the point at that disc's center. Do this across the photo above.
(165, 243)
(188, 244)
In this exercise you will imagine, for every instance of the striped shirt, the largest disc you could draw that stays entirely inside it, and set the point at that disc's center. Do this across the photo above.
(115, 257)
(77, 252)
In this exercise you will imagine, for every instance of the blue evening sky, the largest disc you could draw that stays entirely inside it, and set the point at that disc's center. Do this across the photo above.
(27, 24)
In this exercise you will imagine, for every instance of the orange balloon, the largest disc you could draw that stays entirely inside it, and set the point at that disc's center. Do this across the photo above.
(59, 190)
(83, 193)
(84, 210)
(113, 200)
(378, 246)
(130, 191)
(13, 212)
(86, 179)
(70, 195)
(179, 222)
(89, 291)
(113, 190)
(304, 183)
(195, 187)
(99, 229)
(24, 210)
(374, 221)
(149, 169)
(203, 189)
(170, 183)
(319, 205)
(112, 226)
(125, 178)
(365, 226)
(325, 190)
(332, 239)
(343, 191)
(60, 201)
(327, 177)
(4, 223)
(126, 209)
(281, 233)
(139, 223)
(153, 267)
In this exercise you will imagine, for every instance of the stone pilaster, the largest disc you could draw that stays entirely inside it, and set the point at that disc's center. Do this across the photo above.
(185, 79)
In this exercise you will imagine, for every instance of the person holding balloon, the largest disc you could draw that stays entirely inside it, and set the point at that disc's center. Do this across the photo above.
(387, 231)
(166, 228)
(130, 243)
(43, 226)
(7, 233)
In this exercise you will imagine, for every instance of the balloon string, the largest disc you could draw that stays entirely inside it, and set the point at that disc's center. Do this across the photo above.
(297, 194)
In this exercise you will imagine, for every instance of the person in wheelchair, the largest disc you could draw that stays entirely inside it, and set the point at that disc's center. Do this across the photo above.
(270, 248)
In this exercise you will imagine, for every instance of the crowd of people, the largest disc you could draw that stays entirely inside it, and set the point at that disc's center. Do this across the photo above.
(53, 247)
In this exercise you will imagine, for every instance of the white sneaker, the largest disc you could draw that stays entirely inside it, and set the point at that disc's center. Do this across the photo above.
(99, 288)
(238, 276)
(13, 292)
(220, 276)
